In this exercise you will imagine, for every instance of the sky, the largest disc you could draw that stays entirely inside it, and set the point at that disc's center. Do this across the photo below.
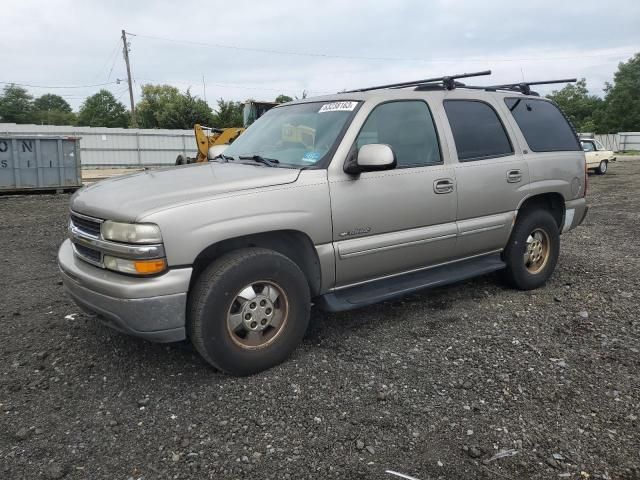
(248, 49)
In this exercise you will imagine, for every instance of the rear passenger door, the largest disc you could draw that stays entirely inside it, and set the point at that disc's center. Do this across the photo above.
(491, 174)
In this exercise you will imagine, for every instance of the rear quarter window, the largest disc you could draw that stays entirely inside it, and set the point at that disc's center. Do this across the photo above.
(544, 126)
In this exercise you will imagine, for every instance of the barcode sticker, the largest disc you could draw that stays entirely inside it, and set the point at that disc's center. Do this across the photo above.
(338, 107)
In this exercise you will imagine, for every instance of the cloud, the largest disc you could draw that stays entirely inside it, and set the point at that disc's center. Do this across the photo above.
(68, 42)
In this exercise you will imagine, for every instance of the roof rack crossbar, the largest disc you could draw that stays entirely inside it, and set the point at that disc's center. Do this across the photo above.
(448, 81)
(525, 87)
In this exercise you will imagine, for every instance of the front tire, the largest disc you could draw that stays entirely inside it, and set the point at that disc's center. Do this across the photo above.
(532, 252)
(248, 311)
(602, 168)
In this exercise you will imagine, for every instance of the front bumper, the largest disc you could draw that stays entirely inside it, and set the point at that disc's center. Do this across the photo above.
(153, 308)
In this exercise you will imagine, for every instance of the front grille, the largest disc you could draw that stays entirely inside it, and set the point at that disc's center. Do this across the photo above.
(91, 227)
(88, 253)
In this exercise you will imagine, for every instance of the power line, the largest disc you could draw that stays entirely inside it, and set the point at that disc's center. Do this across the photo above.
(113, 55)
(57, 86)
(229, 85)
(385, 59)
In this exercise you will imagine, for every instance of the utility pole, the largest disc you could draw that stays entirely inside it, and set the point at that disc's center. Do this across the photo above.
(125, 52)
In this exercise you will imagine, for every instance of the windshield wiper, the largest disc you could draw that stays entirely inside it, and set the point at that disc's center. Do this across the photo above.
(270, 162)
(224, 157)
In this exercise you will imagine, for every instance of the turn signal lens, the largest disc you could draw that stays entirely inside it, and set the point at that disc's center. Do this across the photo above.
(149, 267)
(135, 267)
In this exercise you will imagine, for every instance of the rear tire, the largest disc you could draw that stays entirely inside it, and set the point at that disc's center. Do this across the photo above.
(248, 311)
(532, 252)
(602, 168)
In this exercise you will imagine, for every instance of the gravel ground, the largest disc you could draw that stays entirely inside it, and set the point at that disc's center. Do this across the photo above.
(470, 381)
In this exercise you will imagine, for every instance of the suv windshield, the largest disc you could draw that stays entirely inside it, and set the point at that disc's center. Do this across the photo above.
(295, 135)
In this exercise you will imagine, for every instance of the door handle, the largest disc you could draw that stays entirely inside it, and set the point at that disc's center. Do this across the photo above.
(443, 185)
(514, 176)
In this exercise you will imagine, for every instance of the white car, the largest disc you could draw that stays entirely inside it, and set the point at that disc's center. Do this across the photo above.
(598, 157)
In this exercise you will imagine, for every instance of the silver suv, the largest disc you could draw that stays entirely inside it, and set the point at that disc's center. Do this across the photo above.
(340, 201)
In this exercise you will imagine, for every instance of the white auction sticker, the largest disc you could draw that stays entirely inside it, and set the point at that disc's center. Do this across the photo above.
(338, 107)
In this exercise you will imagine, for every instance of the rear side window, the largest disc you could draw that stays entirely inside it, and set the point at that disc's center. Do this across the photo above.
(477, 130)
(543, 125)
(407, 126)
(588, 146)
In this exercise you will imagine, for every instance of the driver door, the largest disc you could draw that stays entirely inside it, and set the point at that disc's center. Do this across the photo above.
(394, 221)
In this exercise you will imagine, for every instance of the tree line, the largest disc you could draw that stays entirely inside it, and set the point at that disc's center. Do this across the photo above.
(617, 111)
(161, 106)
(164, 106)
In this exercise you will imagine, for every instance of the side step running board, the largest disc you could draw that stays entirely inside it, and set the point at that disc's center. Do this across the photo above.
(386, 289)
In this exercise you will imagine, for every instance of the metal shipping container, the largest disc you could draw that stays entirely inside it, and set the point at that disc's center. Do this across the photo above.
(29, 162)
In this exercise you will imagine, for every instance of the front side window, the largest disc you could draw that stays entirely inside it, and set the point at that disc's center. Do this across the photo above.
(294, 135)
(408, 128)
(587, 146)
(477, 130)
(543, 125)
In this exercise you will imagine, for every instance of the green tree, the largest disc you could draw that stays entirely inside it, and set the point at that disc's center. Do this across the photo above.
(228, 114)
(50, 109)
(103, 110)
(163, 106)
(622, 99)
(184, 112)
(283, 98)
(155, 101)
(16, 105)
(54, 117)
(576, 102)
(50, 102)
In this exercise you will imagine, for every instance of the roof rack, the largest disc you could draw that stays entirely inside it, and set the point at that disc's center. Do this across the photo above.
(525, 87)
(448, 82)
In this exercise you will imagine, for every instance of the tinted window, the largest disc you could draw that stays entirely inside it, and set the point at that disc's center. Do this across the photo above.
(477, 130)
(543, 125)
(406, 126)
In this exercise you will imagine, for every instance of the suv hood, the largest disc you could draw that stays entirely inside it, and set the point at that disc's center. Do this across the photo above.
(129, 197)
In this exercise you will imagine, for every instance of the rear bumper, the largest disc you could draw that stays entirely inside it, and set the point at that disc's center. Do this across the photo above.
(152, 308)
(575, 213)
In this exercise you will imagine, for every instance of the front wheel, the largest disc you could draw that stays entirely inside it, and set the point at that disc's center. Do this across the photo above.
(532, 252)
(249, 310)
(602, 168)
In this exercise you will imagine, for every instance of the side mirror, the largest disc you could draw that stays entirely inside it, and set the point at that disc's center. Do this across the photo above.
(215, 151)
(371, 158)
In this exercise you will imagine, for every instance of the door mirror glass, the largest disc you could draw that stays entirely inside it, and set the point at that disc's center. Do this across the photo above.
(372, 158)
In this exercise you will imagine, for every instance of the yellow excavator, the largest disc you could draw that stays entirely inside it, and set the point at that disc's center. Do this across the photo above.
(207, 137)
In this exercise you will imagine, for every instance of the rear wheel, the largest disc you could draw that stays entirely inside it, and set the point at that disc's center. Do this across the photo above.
(249, 310)
(532, 252)
(602, 168)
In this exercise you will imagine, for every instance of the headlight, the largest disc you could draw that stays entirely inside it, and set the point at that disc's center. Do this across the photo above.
(131, 232)
(135, 267)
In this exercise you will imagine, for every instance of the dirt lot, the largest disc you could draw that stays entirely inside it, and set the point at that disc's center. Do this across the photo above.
(469, 381)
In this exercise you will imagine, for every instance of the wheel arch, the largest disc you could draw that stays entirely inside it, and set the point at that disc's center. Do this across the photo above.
(553, 202)
(294, 244)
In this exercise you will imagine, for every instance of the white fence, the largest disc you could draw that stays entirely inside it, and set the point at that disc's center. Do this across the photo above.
(618, 142)
(118, 147)
(129, 147)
